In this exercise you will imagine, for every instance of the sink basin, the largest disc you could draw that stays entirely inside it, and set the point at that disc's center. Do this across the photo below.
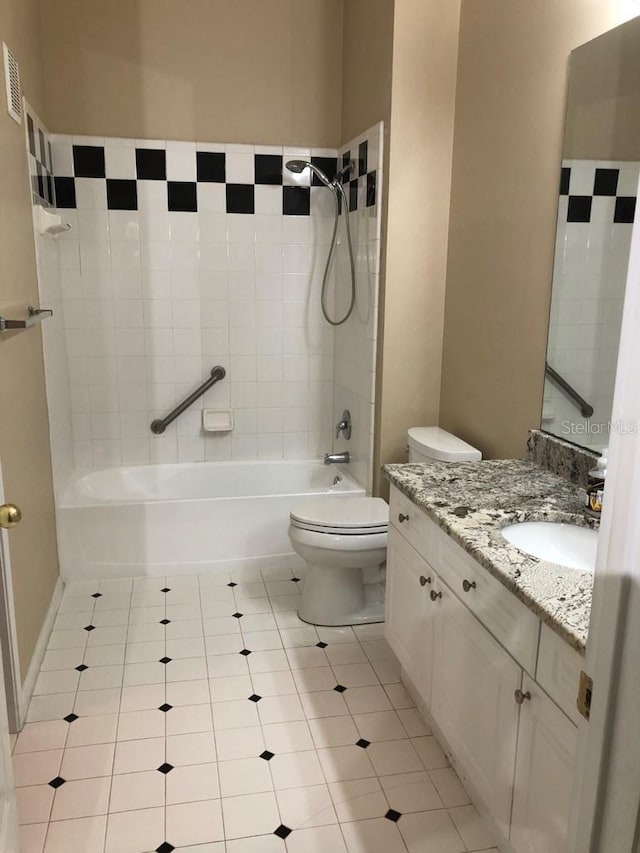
(565, 544)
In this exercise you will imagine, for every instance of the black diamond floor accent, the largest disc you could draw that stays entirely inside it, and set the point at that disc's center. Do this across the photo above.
(82, 667)
(321, 645)
(97, 595)
(166, 589)
(165, 768)
(295, 580)
(339, 688)
(70, 718)
(89, 627)
(363, 743)
(245, 652)
(165, 847)
(165, 708)
(165, 660)
(232, 584)
(282, 831)
(254, 697)
(165, 621)
(57, 782)
(267, 755)
(393, 815)
(237, 615)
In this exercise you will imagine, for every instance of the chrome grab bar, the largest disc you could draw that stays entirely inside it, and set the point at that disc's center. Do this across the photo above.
(585, 409)
(160, 424)
(34, 315)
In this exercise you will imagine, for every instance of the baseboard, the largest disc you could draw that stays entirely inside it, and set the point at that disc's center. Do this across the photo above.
(38, 653)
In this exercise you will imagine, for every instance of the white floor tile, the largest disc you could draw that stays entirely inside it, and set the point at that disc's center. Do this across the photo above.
(84, 762)
(222, 666)
(143, 697)
(258, 622)
(62, 659)
(86, 834)
(132, 791)
(449, 787)
(108, 636)
(186, 669)
(316, 840)
(34, 803)
(295, 637)
(359, 799)
(471, 827)
(185, 719)
(137, 755)
(145, 652)
(307, 656)
(141, 724)
(363, 700)
(377, 650)
(182, 750)
(413, 722)
(53, 706)
(280, 709)
(188, 692)
(107, 618)
(245, 776)
(254, 814)
(388, 671)
(193, 783)
(184, 629)
(345, 653)
(63, 639)
(145, 633)
(430, 752)
(46, 735)
(342, 634)
(187, 647)
(301, 808)
(411, 792)
(373, 836)
(89, 730)
(145, 615)
(278, 683)
(314, 678)
(269, 661)
(380, 726)
(104, 655)
(230, 687)
(60, 681)
(223, 644)
(333, 731)
(323, 703)
(81, 798)
(152, 672)
(296, 769)
(430, 832)
(95, 702)
(262, 641)
(394, 756)
(32, 837)
(355, 674)
(234, 715)
(293, 736)
(240, 743)
(36, 768)
(257, 844)
(341, 763)
(131, 832)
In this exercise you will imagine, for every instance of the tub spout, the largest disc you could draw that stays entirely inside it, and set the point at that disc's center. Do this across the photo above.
(331, 458)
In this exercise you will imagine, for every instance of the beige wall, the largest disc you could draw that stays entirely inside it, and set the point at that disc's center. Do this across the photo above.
(24, 436)
(512, 71)
(418, 186)
(603, 103)
(209, 70)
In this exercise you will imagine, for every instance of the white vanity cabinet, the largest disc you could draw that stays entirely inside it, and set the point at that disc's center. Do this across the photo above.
(470, 650)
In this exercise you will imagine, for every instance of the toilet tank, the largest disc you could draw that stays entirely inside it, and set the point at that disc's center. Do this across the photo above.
(429, 443)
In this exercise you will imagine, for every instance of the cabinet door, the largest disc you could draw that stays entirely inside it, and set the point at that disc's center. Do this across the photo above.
(407, 629)
(472, 702)
(544, 775)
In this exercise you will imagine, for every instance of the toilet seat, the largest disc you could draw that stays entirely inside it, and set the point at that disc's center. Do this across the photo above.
(349, 516)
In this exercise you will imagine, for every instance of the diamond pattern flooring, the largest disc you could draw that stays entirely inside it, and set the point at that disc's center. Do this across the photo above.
(198, 713)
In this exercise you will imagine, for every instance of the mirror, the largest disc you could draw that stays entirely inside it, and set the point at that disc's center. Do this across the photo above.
(596, 208)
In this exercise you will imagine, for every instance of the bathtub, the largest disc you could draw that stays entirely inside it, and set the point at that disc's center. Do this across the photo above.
(186, 517)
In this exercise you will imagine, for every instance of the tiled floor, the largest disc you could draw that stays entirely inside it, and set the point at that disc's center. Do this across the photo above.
(200, 714)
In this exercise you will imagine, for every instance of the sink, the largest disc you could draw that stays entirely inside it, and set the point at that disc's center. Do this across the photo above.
(566, 544)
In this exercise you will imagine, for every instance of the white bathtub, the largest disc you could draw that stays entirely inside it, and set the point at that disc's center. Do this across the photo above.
(184, 518)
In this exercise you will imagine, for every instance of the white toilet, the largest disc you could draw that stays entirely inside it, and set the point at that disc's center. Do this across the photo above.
(343, 540)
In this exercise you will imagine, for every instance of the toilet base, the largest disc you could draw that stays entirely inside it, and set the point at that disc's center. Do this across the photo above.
(369, 614)
(342, 596)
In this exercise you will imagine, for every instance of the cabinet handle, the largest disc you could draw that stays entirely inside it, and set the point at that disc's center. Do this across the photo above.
(424, 581)
(521, 697)
(468, 585)
(402, 517)
(435, 595)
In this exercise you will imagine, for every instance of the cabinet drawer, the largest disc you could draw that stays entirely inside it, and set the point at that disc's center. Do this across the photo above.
(508, 619)
(558, 671)
(414, 525)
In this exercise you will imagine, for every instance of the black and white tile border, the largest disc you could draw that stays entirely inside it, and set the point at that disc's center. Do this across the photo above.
(40, 160)
(586, 184)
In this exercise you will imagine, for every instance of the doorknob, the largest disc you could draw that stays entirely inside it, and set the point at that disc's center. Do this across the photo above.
(10, 515)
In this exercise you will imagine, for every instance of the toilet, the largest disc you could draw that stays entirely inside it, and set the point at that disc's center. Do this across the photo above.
(343, 541)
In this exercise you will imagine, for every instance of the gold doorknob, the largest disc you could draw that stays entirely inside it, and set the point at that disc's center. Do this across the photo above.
(10, 515)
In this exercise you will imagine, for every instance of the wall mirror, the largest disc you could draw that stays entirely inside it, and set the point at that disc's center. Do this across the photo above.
(596, 210)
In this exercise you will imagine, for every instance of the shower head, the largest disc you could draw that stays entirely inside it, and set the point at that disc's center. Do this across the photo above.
(298, 166)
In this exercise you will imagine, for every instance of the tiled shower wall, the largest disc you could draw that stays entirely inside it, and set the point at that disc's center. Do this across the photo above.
(595, 219)
(186, 255)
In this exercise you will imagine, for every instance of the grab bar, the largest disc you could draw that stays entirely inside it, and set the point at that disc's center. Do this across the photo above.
(34, 315)
(160, 424)
(585, 409)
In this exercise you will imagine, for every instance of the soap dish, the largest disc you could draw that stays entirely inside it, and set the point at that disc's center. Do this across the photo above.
(217, 420)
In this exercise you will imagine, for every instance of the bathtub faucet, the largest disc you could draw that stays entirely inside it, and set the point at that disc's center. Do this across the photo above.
(331, 458)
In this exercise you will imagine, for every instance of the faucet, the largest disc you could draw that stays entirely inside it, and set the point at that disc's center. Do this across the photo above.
(344, 425)
(330, 458)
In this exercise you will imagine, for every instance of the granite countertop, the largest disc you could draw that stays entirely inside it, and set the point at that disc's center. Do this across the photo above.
(471, 501)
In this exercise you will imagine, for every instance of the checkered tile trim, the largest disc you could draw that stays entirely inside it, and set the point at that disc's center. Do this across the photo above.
(200, 169)
(587, 187)
(40, 161)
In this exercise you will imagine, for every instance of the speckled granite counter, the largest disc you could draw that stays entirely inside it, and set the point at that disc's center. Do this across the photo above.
(471, 501)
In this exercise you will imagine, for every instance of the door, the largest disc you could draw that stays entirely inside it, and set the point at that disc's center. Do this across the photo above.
(8, 817)
(408, 628)
(545, 770)
(472, 701)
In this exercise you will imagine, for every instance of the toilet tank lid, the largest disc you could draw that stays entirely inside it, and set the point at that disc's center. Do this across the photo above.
(342, 512)
(437, 443)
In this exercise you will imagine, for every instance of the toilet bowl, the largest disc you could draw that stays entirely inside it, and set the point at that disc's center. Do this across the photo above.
(344, 544)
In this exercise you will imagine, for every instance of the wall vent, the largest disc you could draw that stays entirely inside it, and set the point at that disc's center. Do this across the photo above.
(12, 80)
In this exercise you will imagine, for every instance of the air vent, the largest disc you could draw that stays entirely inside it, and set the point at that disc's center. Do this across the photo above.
(12, 80)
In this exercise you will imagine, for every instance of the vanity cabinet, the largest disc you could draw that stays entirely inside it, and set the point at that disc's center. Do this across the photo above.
(470, 650)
